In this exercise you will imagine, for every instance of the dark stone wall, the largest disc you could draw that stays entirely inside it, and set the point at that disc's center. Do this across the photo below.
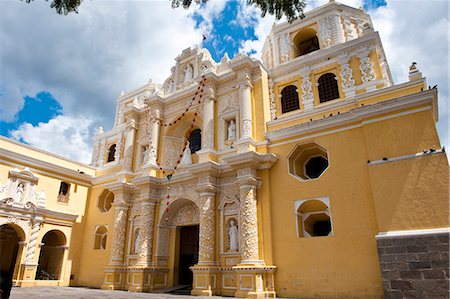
(415, 266)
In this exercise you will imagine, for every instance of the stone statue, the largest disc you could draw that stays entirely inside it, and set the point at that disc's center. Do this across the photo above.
(19, 192)
(171, 86)
(188, 72)
(232, 130)
(233, 236)
(187, 159)
(137, 240)
(145, 155)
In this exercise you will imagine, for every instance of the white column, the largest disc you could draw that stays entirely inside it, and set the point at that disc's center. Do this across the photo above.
(129, 145)
(208, 122)
(147, 222)
(337, 30)
(207, 236)
(155, 131)
(119, 233)
(245, 109)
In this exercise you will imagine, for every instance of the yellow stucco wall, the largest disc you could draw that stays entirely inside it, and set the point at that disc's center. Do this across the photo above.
(364, 200)
(94, 260)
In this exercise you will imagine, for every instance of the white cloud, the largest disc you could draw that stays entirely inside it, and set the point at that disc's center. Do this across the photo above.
(418, 31)
(62, 135)
(84, 60)
(12, 104)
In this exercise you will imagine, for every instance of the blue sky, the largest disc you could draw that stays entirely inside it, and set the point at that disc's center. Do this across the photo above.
(78, 64)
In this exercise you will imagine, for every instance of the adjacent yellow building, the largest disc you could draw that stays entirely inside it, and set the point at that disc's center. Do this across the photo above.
(307, 174)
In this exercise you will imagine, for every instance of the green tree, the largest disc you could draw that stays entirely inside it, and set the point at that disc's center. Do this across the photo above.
(289, 8)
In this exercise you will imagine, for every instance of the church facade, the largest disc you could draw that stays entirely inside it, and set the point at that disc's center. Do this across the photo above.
(306, 174)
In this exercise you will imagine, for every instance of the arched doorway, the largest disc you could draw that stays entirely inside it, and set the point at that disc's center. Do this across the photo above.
(10, 251)
(52, 256)
(181, 222)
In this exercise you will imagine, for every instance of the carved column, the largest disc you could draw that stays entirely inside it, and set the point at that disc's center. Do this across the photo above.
(147, 222)
(249, 224)
(205, 272)
(119, 233)
(245, 107)
(155, 131)
(252, 274)
(337, 31)
(206, 254)
(307, 90)
(32, 242)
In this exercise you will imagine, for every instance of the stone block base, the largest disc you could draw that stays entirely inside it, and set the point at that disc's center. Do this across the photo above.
(114, 279)
(255, 281)
(414, 264)
(135, 279)
(205, 280)
(27, 272)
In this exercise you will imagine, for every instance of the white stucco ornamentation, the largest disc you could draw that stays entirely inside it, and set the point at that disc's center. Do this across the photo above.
(207, 229)
(247, 127)
(367, 72)
(187, 215)
(307, 93)
(325, 32)
(162, 244)
(146, 233)
(349, 29)
(273, 105)
(284, 44)
(249, 224)
(20, 190)
(347, 76)
(32, 243)
(24, 224)
(120, 227)
(337, 30)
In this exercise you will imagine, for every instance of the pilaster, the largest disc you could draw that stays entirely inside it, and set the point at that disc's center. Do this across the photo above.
(307, 89)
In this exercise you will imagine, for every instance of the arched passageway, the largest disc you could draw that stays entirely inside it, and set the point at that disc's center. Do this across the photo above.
(10, 252)
(52, 256)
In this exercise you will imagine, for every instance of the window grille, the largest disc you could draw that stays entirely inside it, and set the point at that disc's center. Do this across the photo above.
(289, 99)
(328, 88)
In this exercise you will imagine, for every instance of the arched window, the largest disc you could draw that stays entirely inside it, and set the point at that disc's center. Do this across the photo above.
(112, 153)
(101, 233)
(306, 41)
(195, 140)
(289, 99)
(328, 87)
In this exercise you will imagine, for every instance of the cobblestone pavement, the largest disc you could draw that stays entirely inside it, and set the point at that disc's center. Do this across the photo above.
(85, 293)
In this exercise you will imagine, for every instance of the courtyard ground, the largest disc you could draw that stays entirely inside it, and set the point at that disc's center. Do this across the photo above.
(85, 293)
